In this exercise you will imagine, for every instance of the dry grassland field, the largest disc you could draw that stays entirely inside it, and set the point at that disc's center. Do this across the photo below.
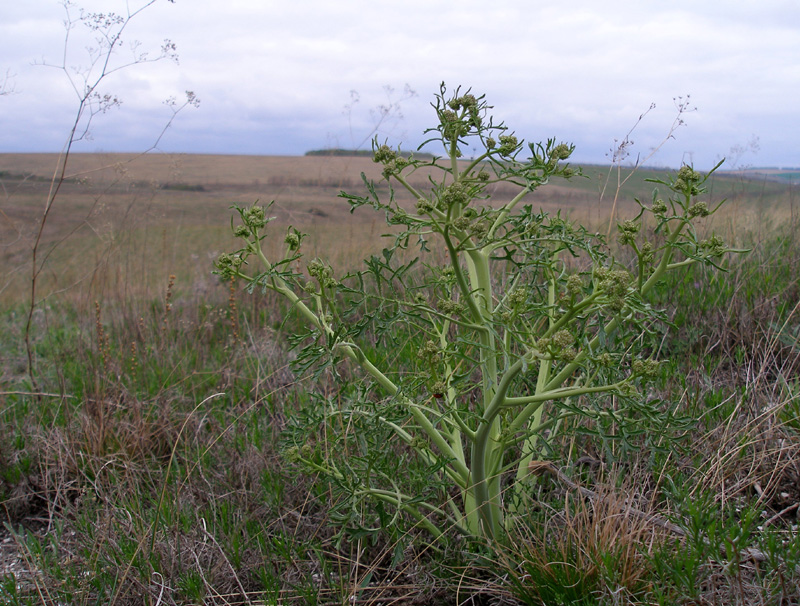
(148, 409)
(123, 223)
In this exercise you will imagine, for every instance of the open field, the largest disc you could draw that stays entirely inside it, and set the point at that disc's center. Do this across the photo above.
(126, 222)
(142, 452)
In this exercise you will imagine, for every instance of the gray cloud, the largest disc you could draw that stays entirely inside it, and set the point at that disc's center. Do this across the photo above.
(275, 77)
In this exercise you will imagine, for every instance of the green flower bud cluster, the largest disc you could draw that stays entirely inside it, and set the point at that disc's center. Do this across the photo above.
(384, 154)
(645, 368)
(242, 231)
(420, 299)
(629, 391)
(466, 101)
(394, 168)
(455, 193)
(688, 181)
(483, 176)
(400, 217)
(560, 345)
(293, 454)
(614, 283)
(689, 175)
(469, 103)
(293, 239)
(714, 246)
(698, 209)
(518, 297)
(450, 307)
(605, 359)
(574, 285)
(323, 273)
(628, 231)
(228, 265)
(646, 253)
(430, 352)
(439, 387)
(393, 163)
(462, 223)
(562, 151)
(425, 206)
(659, 208)
(453, 127)
(479, 229)
(562, 339)
(508, 144)
(491, 143)
(255, 217)
(448, 274)
(515, 300)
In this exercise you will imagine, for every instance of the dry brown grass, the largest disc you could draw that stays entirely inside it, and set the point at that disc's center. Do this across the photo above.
(132, 408)
(116, 231)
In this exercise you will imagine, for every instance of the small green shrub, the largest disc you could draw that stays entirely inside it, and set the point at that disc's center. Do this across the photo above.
(474, 367)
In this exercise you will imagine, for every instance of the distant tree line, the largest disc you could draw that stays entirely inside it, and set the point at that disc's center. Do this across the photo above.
(365, 153)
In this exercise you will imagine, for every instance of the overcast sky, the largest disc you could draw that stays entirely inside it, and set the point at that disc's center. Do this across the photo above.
(278, 77)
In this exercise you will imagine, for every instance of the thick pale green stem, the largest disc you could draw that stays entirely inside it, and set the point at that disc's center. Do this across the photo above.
(529, 448)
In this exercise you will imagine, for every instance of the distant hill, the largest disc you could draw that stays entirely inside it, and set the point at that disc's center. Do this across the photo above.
(782, 175)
